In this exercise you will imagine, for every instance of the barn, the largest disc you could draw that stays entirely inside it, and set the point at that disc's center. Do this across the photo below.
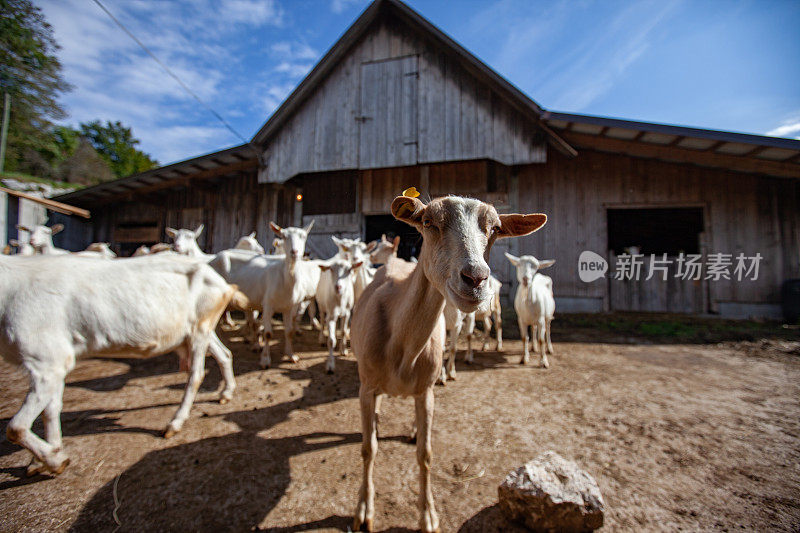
(396, 102)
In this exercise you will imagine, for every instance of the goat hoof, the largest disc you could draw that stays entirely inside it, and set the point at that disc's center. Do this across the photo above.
(294, 358)
(362, 526)
(60, 468)
(35, 467)
(329, 371)
(223, 400)
(170, 432)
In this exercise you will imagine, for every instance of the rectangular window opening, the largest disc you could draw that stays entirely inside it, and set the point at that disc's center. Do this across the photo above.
(669, 230)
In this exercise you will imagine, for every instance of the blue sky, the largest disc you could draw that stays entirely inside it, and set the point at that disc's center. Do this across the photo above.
(730, 65)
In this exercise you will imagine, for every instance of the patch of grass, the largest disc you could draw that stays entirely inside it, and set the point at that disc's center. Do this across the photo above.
(672, 328)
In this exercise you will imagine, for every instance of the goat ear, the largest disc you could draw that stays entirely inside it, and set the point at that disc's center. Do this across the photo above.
(408, 210)
(276, 228)
(171, 232)
(371, 246)
(336, 240)
(199, 230)
(383, 237)
(324, 266)
(514, 259)
(396, 242)
(56, 228)
(13, 242)
(252, 235)
(23, 228)
(307, 229)
(546, 263)
(516, 225)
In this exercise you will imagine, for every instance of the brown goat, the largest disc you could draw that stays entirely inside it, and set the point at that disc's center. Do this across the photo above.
(398, 330)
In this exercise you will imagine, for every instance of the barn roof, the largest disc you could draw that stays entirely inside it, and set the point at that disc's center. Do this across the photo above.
(212, 165)
(417, 22)
(742, 152)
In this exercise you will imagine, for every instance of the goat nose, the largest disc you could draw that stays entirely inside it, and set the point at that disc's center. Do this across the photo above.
(474, 276)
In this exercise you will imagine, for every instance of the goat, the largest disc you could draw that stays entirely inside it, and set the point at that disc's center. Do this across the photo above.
(335, 299)
(24, 248)
(356, 251)
(249, 242)
(273, 284)
(151, 250)
(99, 250)
(90, 307)
(383, 250)
(185, 242)
(398, 329)
(41, 238)
(534, 304)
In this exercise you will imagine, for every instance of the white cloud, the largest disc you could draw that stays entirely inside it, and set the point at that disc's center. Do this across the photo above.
(790, 128)
(114, 79)
(340, 6)
(274, 95)
(295, 70)
(293, 51)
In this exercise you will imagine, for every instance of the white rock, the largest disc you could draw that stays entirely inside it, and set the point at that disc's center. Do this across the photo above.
(551, 493)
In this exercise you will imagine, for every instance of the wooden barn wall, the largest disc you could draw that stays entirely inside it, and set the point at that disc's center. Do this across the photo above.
(458, 117)
(228, 208)
(743, 213)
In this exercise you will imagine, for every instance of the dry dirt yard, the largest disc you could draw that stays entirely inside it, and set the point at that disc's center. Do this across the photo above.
(679, 437)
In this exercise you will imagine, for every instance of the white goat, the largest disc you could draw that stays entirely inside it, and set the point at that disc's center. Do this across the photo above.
(273, 284)
(534, 304)
(41, 238)
(99, 250)
(354, 250)
(249, 242)
(89, 307)
(24, 248)
(335, 299)
(185, 242)
(151, 250)
(384, 250)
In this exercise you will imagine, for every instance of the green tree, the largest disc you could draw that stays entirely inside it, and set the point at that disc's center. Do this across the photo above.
(116, 144)
(30, 73)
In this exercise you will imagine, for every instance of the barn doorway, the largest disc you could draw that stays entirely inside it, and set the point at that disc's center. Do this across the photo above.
(410, 239)
(656, 230)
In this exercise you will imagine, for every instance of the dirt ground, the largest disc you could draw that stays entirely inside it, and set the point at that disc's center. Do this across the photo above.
(678, 436)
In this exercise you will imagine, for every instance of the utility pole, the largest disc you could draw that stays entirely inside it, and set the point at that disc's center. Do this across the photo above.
(4, 130)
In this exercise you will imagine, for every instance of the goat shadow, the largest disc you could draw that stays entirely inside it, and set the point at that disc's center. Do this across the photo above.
(227, 483)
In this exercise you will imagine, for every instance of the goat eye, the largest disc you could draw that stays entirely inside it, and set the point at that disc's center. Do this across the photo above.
(426, 223)
(496, 229)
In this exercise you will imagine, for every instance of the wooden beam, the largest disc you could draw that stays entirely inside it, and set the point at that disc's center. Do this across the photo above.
(675, 141)
(603, 131)
(755, 151)
(639, 136)
(206, 174)
(49, 204)
(702, 158)
(714, 146)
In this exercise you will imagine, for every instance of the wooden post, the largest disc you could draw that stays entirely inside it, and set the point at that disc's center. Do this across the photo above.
(4, 130)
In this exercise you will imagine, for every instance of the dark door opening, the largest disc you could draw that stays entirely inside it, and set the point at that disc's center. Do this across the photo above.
(656, 230)
(410, 239)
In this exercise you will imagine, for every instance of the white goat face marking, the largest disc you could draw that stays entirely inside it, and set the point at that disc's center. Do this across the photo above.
(351, 249)
(294, 242)
(526, 269)
(185, 240)
(459, 233)
(341, 271)
(41, 236)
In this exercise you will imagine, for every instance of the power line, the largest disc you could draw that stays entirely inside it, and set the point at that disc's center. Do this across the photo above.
(174, 76)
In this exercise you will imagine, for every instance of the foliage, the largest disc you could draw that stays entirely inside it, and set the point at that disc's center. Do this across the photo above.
(117, 145)
(30, 73)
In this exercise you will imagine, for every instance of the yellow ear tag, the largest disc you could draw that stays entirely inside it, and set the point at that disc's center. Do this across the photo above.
(411, 192)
